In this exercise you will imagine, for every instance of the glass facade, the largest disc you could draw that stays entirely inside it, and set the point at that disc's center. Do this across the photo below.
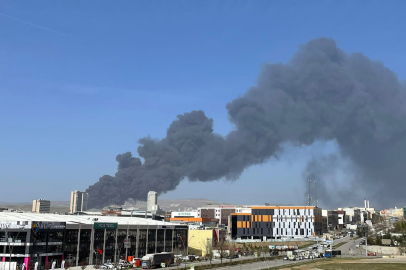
(151, 241)
(52, 243)
(142, 243)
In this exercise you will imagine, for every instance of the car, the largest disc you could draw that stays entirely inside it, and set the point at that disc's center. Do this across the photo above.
(286, 258)
(107, 266)
(372, 254)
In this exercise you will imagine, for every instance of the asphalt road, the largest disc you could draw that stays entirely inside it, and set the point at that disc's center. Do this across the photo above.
(249, 266)
(350, 249)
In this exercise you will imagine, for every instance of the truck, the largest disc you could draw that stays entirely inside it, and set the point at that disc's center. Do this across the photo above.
(155, 260)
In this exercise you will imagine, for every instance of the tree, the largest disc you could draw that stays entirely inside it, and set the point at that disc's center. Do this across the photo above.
(232, 251)
(168, 262)
(222, 249)
(178, 262)
(83, 265)
(264, 250)
(208, 249)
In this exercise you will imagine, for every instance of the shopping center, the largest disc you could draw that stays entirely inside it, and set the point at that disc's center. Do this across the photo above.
(43, 238)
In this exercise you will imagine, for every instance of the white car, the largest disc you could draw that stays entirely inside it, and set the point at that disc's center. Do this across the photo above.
(107, 266)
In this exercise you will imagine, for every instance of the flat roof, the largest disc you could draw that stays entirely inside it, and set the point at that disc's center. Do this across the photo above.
(76, 219)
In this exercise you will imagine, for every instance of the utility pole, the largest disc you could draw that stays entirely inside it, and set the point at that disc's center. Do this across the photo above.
(366, 240)
(308, 197)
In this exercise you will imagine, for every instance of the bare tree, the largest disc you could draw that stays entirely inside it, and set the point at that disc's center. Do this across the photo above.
(178, 262)
(264, 250)
(232, 251)
(208, 249)
(168, 262)
(222, 247)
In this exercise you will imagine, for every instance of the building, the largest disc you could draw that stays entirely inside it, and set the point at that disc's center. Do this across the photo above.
(152, 201)
(200, 241)
(353, 215)
(221, 212)
(332, 220)
(276, 222)
(46, 238)
(78, 201)
(192, 218)
(41, 206)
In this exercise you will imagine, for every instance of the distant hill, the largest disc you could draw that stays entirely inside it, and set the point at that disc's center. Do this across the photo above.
(167, 205)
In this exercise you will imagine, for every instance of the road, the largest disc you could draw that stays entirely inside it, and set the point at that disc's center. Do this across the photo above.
(248, 266)
(350, 247)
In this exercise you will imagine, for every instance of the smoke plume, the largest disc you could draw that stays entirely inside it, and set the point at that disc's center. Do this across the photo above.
(322, 93)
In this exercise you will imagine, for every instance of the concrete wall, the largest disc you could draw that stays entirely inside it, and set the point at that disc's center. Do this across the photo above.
(383, 250)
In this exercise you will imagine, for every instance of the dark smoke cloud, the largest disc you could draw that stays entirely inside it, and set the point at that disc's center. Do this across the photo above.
(329, 192)
(322, 93)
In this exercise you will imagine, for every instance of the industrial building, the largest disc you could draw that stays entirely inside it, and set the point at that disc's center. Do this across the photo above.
(43, 238)
(276, 222)
(41, 206)
(78, 201)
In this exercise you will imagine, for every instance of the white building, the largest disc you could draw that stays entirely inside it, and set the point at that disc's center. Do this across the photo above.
(152, 201)
(78, 201)
(41, 206)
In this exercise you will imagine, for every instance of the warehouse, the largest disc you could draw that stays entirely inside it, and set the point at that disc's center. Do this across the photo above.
(276, 222)
(44, 238)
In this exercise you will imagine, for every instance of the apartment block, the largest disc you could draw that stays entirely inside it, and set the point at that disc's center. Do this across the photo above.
(78, 201)
(41, 206)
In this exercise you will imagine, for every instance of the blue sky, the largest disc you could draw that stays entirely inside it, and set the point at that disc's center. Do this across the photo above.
(82, 81)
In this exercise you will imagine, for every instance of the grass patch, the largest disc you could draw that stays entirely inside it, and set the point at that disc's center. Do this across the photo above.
(340, 244)
(356, 238)
(341, 264)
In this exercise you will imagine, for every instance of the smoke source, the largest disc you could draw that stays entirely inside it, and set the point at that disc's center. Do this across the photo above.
(322, 93)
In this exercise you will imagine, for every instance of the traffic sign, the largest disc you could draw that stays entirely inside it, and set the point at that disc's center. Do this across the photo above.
(163, 265)
(127, 243)
(192, 266)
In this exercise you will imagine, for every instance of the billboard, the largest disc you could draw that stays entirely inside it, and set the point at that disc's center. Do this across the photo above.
(105, 226)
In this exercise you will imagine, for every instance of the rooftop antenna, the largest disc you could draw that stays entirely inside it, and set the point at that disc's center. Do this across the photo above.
(315, 193)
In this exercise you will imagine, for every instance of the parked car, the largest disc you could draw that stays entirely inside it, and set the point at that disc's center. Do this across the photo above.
(107, 266)
(372, 254)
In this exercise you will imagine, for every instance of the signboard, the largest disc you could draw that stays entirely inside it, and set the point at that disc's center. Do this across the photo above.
(163, 265)
(181, 228)
(13, 225)
(105, 226)
(39, 225)
(127, 243)
(184, 214)
(165, 227)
